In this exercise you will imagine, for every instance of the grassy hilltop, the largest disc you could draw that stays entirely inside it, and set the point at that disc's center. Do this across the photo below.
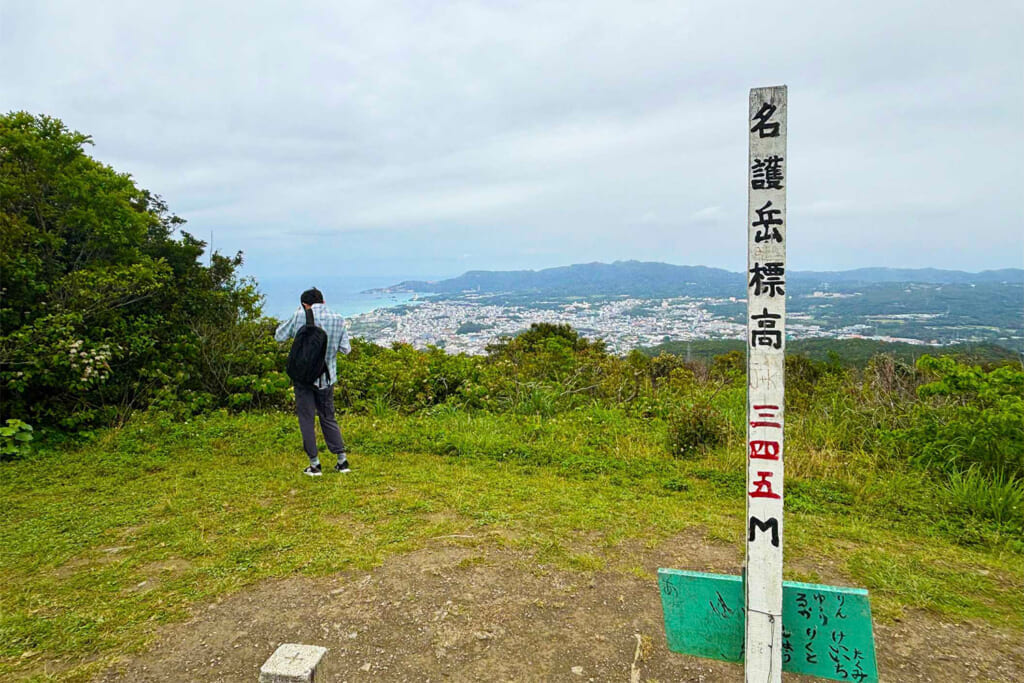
(905, 478)
(150, 461)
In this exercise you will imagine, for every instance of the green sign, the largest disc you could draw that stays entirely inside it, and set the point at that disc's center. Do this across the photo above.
(826, 630)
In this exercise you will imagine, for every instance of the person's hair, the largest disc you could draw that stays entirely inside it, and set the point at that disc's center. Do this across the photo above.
(312, 296)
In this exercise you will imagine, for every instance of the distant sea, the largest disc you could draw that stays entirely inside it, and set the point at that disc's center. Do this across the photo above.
(342, 294)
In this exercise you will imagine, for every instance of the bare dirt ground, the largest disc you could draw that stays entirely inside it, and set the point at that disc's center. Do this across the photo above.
(451, 613)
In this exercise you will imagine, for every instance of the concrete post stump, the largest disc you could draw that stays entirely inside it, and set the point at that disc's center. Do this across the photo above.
(294, 663)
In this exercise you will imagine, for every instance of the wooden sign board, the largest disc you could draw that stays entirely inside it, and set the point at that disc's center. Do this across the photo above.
(825, 631)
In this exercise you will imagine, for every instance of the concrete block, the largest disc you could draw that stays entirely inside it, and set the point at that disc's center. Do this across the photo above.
(294, 663)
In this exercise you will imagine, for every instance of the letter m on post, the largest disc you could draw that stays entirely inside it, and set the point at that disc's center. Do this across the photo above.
(771, 525)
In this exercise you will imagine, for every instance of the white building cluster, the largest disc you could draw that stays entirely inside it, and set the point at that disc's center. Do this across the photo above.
(623, 324)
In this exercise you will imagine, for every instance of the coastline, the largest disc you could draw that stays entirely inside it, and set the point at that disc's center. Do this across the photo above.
(347, 296)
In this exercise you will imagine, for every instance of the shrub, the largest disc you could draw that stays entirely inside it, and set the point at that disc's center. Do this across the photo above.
(695, 429)
(967, 418)
(889, 381)
(372, 378)
(729, 367)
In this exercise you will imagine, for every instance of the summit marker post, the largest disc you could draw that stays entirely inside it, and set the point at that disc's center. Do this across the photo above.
(766, 366)
(770, 625)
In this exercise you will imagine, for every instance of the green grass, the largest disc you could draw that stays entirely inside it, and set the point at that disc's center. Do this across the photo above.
(103, 543)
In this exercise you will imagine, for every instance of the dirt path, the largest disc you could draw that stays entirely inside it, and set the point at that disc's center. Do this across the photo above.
(449, 613)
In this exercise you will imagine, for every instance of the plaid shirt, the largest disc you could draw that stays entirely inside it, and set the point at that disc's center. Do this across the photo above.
(337, 337)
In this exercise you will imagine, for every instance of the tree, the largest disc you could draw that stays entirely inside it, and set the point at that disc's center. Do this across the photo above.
(539, 337)
(103, 308)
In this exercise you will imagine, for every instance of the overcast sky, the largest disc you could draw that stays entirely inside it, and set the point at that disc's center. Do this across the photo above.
(428, 138)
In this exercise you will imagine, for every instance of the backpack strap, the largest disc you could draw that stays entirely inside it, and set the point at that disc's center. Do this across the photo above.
(309, 321)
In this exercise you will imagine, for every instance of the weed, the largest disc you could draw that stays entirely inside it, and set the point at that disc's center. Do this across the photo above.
(15, 439)
(996, 497)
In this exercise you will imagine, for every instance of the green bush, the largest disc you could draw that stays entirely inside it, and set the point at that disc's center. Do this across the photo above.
(695, 429)
(401, 378)
(966, 418)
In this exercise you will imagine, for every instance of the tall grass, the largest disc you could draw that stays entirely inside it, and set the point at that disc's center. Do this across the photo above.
(996, 497)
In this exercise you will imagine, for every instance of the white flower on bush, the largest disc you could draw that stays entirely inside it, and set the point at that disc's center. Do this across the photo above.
(92, 364)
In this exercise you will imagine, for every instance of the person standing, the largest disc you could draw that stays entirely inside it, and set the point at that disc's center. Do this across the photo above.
(318, 400)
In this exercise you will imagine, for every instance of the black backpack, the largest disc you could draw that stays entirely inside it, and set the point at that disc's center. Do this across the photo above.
(306, 360)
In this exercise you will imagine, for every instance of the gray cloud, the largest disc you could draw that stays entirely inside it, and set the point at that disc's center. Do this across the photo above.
(428, 138)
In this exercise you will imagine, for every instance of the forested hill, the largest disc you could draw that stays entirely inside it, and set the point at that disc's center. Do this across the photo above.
(621, 277)
(640, 278)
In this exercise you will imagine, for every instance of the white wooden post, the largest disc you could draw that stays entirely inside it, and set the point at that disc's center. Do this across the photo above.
(766, 346)
(702, 611)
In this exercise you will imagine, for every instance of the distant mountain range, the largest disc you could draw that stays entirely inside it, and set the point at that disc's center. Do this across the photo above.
(644, 278)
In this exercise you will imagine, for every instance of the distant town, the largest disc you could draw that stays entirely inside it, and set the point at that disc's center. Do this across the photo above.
(468, 325)
(640, 305)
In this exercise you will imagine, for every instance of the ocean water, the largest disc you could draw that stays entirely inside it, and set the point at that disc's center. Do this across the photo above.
(343, 295)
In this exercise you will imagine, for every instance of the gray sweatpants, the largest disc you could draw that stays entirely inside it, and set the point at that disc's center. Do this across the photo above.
(309, 403)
